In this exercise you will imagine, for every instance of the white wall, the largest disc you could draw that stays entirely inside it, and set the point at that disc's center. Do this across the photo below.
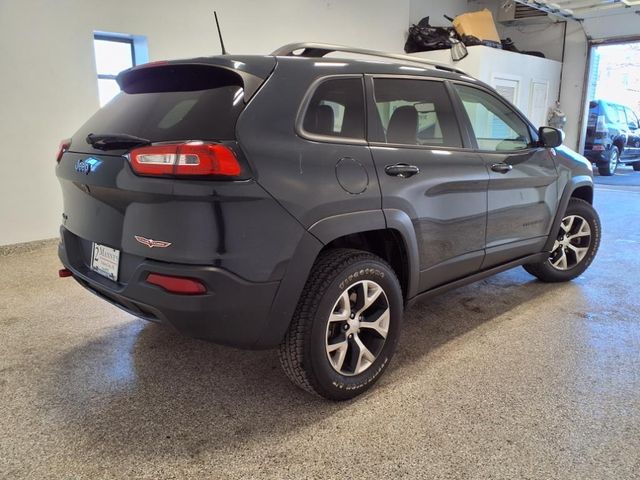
(435, 9)
(573, 80)
(546, 38)
(48, 80)
(488, 64)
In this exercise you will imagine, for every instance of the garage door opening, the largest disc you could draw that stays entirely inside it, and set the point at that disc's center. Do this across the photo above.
(611, 137)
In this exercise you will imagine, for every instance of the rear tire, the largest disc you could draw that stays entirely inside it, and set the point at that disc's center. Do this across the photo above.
(576, 245)
(610, 168)
(322, 351)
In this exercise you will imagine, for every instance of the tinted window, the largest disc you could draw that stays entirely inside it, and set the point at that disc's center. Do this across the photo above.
(416, 112)
(632, 119)
(176, 104)
(615, 114)
(496, 126)
(336, 109)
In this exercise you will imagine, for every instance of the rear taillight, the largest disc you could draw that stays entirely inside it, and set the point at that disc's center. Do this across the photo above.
(185, 159)
(180, 285)
(601, 124)
(64, 146)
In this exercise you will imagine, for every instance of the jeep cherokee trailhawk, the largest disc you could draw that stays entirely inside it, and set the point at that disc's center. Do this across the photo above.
(303, 202)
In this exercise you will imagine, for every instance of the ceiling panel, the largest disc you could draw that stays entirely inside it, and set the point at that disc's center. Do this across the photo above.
(580, 9)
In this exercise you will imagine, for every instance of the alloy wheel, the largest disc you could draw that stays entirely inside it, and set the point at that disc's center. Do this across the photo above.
(357, 328)
(572, 243)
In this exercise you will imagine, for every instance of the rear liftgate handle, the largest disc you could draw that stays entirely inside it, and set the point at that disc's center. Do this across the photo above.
(501, 167)
(401, 170)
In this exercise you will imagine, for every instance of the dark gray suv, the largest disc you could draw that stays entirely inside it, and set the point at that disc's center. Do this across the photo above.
(303, 202)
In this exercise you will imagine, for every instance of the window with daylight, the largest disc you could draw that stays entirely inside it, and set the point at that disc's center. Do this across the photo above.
(497, 126)
(114, 53)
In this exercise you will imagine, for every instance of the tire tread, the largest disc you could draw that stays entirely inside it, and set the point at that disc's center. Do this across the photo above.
(292, 349)
(545, 272)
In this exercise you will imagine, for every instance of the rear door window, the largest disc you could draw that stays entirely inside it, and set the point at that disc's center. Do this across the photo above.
(336, 109)
(415, 112)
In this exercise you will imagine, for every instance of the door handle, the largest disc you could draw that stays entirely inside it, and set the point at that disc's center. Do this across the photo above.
(501, 167)
(401, 170)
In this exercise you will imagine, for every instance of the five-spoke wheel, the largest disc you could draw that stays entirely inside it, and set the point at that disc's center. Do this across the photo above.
(572, 244)
(346, 325)
(357, 327)
(575, 245)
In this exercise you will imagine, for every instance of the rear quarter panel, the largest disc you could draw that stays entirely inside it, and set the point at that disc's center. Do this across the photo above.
(300, 173)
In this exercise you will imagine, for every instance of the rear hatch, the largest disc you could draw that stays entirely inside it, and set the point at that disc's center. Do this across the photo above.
(177, 101)
(128, 177)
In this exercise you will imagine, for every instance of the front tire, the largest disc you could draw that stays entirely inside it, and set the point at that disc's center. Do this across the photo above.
(575, 247)
(346, 325)
(610, 168)
(636, 166)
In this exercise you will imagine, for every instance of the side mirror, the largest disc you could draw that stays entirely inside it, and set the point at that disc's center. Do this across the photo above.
(550, 137)
(633, 126)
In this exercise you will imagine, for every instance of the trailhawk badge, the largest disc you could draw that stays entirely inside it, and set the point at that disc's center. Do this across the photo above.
(152, 243)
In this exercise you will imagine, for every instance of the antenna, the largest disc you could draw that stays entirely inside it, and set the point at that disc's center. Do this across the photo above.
(224, 52)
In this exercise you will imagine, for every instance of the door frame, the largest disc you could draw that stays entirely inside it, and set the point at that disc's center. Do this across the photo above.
(457, 263)
(584, 111)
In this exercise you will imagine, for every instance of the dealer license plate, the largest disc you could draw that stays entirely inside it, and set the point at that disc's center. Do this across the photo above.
(105, 261)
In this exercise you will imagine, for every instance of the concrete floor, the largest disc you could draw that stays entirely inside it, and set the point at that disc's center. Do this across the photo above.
(508, 378)
(625, 176)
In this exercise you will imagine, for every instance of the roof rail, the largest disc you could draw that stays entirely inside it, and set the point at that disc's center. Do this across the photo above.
(317, 50)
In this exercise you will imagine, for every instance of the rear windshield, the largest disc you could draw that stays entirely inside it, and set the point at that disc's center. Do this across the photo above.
(163, 111)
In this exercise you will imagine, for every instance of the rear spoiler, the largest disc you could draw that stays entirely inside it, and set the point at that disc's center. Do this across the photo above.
(198, 74)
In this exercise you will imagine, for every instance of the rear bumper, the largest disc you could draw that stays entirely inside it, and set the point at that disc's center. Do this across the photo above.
(233, 311)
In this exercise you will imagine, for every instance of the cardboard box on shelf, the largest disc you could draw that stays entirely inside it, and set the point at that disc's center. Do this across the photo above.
(477, 24)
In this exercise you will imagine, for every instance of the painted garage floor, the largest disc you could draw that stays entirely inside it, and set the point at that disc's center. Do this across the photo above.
(508, 378)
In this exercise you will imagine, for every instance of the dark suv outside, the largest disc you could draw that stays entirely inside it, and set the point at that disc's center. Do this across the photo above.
(303, 202)
(613, 136)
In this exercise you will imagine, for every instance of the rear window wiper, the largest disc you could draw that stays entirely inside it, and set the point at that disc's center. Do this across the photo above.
(115, 141)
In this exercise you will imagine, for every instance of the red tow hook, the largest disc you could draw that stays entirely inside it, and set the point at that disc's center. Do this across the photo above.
(64, 273)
